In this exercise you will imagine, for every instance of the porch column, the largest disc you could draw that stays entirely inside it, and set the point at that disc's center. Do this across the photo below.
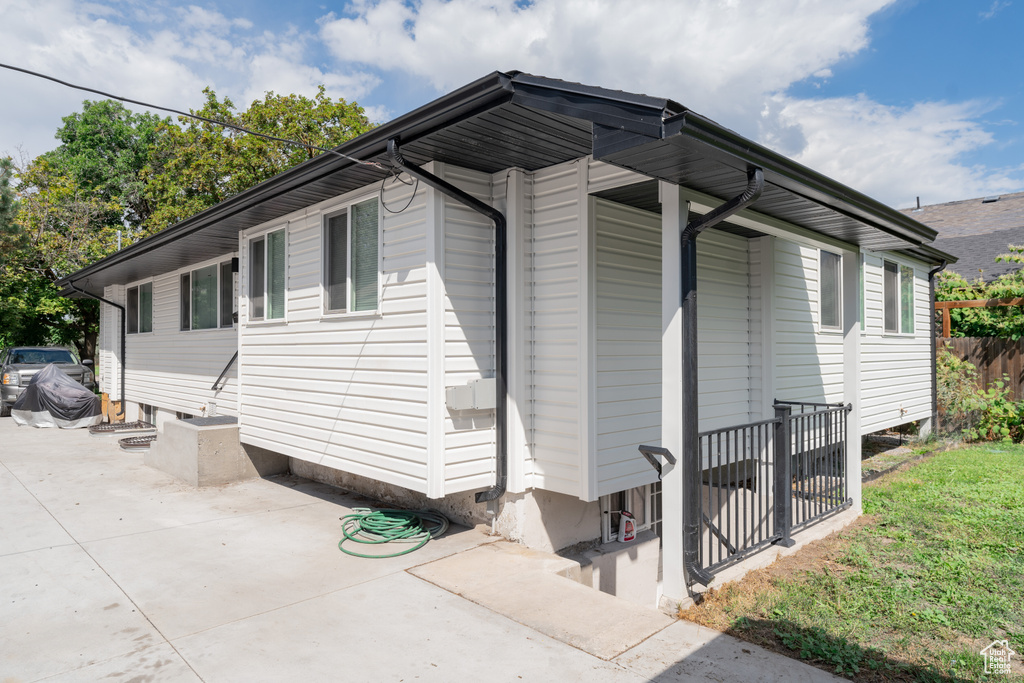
(674, 215)
(852, 287)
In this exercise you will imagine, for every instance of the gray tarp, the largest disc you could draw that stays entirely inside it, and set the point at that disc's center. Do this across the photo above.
(52, 399)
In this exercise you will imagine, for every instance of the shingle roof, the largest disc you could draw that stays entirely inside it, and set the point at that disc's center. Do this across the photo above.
(976, 231)
(972, 216)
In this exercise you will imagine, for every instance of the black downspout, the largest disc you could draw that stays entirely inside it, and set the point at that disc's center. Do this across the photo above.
(689, 420)
(935, 370)
(500, 309)
(124, 336)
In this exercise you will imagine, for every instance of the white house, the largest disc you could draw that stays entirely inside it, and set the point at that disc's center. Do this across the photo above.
(500, 327)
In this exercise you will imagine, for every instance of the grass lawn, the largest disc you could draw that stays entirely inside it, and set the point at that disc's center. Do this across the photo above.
(932, 573)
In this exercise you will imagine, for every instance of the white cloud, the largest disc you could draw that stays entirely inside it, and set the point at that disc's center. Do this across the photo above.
(166, 57)
(996, 8)
(730, 60)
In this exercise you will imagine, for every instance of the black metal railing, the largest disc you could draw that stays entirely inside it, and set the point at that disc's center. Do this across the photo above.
(761, 481)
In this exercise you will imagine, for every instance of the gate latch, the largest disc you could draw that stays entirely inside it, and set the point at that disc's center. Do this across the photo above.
(652, 453)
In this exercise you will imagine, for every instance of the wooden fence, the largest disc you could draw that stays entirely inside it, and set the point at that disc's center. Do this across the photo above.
(993, 356)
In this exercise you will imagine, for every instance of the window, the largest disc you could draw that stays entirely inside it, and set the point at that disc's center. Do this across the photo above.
(830, 291)
(139, 311)
(207, 297)
(898, 298)
(266, 276)
(351, 266)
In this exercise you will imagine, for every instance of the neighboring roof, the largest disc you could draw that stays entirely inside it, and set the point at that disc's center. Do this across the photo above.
(517, 120)
(976, 231)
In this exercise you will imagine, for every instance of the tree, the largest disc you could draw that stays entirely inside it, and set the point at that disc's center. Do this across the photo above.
(201, 164)
(997, 321)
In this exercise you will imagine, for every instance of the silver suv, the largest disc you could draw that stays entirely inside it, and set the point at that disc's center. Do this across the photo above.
(19, 363)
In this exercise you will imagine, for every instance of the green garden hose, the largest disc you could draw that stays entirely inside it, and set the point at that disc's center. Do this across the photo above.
(375, 527)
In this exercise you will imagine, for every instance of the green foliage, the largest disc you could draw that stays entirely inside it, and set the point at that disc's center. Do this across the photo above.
(1001, 321)
(200, 164)
(116, 170)
(998, 418)
(931, 576)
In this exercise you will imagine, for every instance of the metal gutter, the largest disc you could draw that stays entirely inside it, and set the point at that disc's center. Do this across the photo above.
(692, 507)
(500, 310)
(124, 335)
(484, 93)
(797, 178)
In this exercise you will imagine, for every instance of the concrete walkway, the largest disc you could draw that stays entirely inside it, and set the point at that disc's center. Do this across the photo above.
(113, 571)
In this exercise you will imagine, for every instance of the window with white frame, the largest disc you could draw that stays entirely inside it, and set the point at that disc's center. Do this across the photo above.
(351, 265)
(207, 297)
(830, 291)
(139, 308)
(267, 276)
(898, 298)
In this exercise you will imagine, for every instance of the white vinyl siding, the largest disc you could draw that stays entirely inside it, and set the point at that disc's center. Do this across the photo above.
(723, 329)
(348, 392)
(170, 369)
(895, 369)
(628, 333)
(554, 290)
(808, 364)
(468, 267)
(110, 343)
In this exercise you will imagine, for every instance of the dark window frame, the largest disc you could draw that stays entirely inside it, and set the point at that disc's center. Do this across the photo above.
(137, 322)
(355, 262)
(259, 294)
(225, 312)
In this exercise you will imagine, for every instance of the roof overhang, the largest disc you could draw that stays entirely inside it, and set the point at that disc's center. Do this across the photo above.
(508, 120)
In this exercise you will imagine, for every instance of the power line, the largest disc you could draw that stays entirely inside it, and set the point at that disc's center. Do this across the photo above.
(193, 116)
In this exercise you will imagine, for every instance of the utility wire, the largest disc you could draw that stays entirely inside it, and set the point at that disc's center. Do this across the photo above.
(194, 116)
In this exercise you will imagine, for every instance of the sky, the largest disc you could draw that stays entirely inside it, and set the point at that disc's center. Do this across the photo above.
(897, 98)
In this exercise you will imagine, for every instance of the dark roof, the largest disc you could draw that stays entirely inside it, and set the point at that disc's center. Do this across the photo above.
(976, 253)
(972, 216)
(517, 120)
(976, 231)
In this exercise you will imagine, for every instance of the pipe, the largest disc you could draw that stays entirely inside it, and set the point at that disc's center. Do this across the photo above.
(500, 309)
(689, 403)
(124, 336)
(931, 323)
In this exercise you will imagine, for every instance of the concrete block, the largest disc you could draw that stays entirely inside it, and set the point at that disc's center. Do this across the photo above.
(627, 570)
(209, 454)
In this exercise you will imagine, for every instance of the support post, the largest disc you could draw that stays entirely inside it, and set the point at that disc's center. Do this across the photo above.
(674, 215)
(783, 493)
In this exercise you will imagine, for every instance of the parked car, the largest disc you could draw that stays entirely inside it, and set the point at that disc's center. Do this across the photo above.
(19, 363)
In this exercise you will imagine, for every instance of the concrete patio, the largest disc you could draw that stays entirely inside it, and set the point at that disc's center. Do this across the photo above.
(111, 570)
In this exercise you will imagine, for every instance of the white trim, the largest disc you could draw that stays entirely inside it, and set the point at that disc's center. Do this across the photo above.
(852, 375)
(674, 214)
(585, 366)
(436, 354)
(517, 380)
(767, 327)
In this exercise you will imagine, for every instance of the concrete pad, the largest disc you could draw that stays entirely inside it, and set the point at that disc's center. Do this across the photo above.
(25, 524)
(688, 652)
(195, 577)
(396, 628)
(61, 612)
(516, 582)
(157, 663)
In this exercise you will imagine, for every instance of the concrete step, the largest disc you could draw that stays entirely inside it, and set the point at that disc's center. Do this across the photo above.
(531, 587)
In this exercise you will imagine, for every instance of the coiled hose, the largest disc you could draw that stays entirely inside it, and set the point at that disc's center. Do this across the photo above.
(376, 527)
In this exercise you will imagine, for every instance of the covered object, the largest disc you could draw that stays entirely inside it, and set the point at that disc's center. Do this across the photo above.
(53, 399)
